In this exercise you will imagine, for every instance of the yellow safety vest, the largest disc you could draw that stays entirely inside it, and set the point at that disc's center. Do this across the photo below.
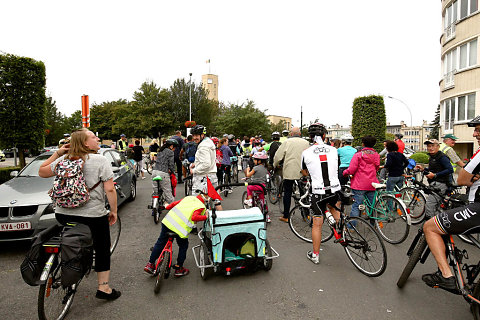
(445, 148)
(122, 145)
(283, 139)
(179, 218)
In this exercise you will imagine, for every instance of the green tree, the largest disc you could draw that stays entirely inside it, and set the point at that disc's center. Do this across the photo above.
(56, 123)
(74, 121)
(22, 103)
(389, 136)
(369, 118)
(434, 134)
(103, 117)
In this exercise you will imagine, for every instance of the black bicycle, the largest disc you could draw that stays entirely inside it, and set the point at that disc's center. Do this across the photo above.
(158, 200)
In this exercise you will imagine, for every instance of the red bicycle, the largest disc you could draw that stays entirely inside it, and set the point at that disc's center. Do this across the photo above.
(164, 263)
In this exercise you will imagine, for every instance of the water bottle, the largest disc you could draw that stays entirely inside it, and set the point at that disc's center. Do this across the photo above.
(330, 218)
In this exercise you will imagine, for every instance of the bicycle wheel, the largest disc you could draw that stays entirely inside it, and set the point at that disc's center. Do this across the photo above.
(272, 192)
(205, 273)
(414, 201)
(300, 223)
(244, 197)
(412, 261)
(267, 263)
(54, 301)
(149, 167)
(160, 273)
(235, 172)
(188, 186)
(475, 308)
(115, 234)
(391, 219)
(364, 247)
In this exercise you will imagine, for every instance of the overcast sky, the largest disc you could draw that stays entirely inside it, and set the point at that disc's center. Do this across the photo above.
(280, 54)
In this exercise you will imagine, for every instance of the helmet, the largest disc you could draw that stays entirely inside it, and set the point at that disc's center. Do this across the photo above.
(275, 135)
(122, 135)
(317, 129)
(171, 142)
(198, 129)
(215, 140)
(285, 132)
(399, 135)
(130, 145)
(475, 122)
(260, 156)
(347, 137)
(225, 135)
(231, 137)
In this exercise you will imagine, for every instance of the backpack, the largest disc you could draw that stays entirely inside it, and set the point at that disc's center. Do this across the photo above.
(76, 254)
(190, 151)
(219, 157)
(69, 187)
(32, 266)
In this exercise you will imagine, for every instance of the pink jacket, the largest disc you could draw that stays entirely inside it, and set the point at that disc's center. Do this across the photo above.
(363, 167)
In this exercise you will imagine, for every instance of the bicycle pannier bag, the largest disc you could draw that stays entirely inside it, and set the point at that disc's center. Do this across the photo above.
(76, 254)
(69, 187)
(32, 266)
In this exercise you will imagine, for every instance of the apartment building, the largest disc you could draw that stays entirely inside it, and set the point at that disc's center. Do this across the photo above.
(460, 70)
(336, 131)
(210, 83)
(276, 119)
(413, 136)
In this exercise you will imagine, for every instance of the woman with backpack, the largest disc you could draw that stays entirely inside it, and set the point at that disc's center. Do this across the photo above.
(98, 178)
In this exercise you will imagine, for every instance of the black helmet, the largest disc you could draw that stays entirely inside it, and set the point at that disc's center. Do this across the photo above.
(198, 129)
(171, 142)
(317, 129)
(399, 135)
(285, 132)
(475, 122)
(276, 135)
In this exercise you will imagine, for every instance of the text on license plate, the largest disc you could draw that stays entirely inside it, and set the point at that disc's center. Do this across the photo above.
(16, 226)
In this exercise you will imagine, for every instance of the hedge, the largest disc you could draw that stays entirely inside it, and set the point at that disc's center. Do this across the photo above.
(5, 173)
(368, 118)
(420, 157)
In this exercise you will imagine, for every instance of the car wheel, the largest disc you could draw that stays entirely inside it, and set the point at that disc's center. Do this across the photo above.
(133, 190)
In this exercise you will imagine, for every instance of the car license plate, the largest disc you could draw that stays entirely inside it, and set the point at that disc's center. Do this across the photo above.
(15, 226)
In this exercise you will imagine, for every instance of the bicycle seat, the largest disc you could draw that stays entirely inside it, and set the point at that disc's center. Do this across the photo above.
(171, 234)
(157, 178)
(378, 185)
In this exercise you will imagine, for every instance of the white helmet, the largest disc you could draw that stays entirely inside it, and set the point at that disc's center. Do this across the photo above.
(347, 137)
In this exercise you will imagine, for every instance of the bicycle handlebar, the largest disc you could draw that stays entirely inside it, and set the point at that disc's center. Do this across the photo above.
(240, 184)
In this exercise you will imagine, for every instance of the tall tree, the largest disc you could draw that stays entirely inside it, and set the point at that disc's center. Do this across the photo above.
(56, 123)
(369, 118)
(436, 125)
(22, 103)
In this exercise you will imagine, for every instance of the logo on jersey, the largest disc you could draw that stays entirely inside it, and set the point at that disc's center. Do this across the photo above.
(321, 150)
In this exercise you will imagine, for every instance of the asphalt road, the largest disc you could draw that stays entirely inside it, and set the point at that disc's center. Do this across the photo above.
(295, 288)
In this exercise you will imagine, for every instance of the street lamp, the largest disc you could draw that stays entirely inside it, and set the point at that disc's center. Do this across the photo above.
(190, 96)
(411, 121)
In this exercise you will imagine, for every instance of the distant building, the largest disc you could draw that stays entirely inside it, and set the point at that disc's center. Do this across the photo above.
(276, 119)
(413, 137)
(460, 82)
(210, 83)
(337, 131)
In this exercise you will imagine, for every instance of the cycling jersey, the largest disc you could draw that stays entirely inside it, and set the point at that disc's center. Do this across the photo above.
(321, 161)
(473, 167)
(459, 220)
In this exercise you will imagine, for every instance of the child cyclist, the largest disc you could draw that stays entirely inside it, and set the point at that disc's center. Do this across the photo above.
(259, 174)
(180, 220)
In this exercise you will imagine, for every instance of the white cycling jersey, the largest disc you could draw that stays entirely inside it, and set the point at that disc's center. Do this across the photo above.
(473, 167)
(321, 161)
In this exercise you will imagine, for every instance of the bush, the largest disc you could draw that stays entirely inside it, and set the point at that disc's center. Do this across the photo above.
(368, 118)
(420, 157)
(5, 173)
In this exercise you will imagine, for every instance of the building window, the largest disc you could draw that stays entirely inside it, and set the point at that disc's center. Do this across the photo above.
(468, 7)
(449, 20)
(463, 57)
(465, 110)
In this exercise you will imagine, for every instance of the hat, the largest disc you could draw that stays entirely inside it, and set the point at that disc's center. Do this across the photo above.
(451, 136)
(431, 141)
(122, 135)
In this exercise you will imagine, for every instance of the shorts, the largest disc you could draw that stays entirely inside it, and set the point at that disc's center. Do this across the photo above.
(320, 201)
(459, 220)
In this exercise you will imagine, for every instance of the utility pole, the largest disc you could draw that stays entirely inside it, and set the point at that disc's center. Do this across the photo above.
(301, 120)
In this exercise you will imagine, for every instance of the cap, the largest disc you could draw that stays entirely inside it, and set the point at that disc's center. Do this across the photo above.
(431, 141)
(122, 135)
(451, 136)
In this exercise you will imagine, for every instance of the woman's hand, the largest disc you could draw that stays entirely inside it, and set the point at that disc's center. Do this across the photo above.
(63, 150)
(112, 217)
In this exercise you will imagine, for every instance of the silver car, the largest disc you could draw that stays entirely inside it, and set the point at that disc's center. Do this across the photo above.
(26, 208)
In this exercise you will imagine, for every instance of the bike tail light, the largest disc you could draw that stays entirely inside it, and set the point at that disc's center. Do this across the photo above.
(398, 195)
(52, 249)
(155, 197)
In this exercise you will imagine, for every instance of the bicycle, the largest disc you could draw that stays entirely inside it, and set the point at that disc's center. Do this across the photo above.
(188, 180)
(234, 171)
(54, 301)
(362, 244)
(158, 200)
(273, 185)
(163, 264)
(298, 190)
(470, 290)
(256, 201)
(148, 163)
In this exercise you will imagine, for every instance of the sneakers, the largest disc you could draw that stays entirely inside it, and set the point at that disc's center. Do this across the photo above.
(315, 258)
(437, 280)
(180, 272)
(248, 202)
(143, 178)
(268, 219)
(149, 268)
(108, 296)
(230, 190)
(283, 219)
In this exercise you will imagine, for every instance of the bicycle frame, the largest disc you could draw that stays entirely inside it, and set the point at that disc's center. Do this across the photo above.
(168, 248)
(370, 206)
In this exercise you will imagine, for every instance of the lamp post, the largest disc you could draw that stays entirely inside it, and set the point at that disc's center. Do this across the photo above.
(190, 96)
(411, 121)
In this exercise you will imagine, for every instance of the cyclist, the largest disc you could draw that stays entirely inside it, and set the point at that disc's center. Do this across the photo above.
(320, 161)
(259, 174)
(400, 143)
(447, 148)
(223, 173)
(204, 165)
(345, 155)
(439, 175)
(164, 165)
(272, 147)
(284, 137)
(455, 221)
(247, 152)
(122, 144)
(363, 167)
(138, 156)
(178, 148)
(188, 153)
(153, 148)
(395, 164)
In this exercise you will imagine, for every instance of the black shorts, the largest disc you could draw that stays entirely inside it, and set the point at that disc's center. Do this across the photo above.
(459, 220)
(320, 201)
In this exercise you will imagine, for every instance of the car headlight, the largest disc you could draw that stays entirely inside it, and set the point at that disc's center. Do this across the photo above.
(49, 209)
